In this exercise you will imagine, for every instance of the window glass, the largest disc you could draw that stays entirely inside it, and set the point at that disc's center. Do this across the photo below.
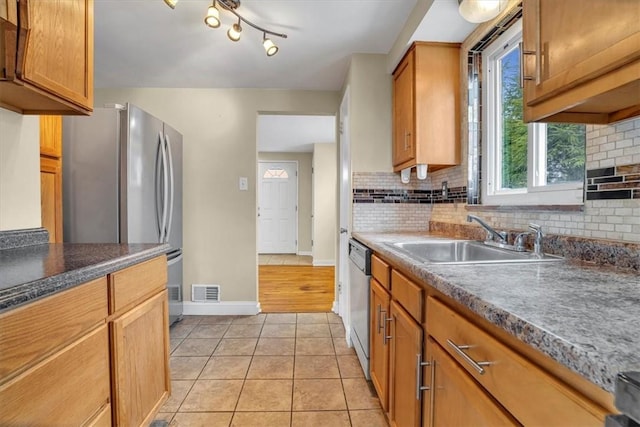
(524, 163)
(276, 173)
(514, 131)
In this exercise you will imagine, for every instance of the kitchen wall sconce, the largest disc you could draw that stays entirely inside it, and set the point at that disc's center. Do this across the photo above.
(477, 11)
(212, 20)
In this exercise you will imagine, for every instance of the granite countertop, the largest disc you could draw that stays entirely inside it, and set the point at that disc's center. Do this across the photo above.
(38, 270)
(584, 317)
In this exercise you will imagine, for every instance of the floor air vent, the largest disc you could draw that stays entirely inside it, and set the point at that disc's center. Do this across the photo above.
(205, 293)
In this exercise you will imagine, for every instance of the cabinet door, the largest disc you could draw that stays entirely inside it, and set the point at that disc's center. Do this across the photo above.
(457, 399)
(51, 136)
(379, 345)
(406, 356)
(66, 389)
(51, 197)
(140, 361)
(58, 56)
(572, 45)
(403, 112)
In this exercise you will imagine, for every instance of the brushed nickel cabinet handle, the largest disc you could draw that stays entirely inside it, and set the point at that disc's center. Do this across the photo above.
(386, 337)
(419, 365)
(478, 366)
(522, 54)
(380, 311)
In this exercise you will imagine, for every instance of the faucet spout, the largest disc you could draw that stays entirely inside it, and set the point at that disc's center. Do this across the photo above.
(492, 234)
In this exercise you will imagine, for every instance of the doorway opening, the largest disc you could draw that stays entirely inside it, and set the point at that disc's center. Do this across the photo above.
(296, 223)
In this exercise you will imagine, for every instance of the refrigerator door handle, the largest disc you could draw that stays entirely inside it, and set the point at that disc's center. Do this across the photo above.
(171, 188)
(174, 260)
(161, 168)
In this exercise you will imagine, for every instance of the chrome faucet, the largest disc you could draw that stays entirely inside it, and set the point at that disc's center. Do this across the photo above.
(537, 243)
(492, 235)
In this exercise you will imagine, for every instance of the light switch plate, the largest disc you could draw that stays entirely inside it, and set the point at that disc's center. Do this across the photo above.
(244, 183)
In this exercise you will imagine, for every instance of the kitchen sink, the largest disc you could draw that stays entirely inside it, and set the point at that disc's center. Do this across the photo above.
(465, 252)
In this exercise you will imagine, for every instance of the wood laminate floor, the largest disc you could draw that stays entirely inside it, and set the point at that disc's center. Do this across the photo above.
(295, 289)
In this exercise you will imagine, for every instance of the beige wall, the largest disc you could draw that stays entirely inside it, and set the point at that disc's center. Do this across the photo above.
(304, 194)
(370, 92)
(219, 128)
(325, 194)
(19, 171)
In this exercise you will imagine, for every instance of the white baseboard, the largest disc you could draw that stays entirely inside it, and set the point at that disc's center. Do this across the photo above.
(336, 307)
(191, 308)
(324, 263)
(305, 253)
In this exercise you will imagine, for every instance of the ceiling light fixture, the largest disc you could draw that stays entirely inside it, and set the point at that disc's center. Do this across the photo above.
(171, 3)
(477, 11)
(269, 46)
(235, 32)
(212, 19)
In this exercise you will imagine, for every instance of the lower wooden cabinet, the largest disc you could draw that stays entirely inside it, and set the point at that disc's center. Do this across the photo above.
(472, 374)
(69, 388)
(457, 400)
(379, 352)
(406, 357)
(140, 361)
(91, 365)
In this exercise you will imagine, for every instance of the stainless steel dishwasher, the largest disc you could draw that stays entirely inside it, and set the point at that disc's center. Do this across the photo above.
(359, 275)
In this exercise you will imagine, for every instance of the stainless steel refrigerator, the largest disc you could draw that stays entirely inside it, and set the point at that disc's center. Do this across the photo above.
(122, 183)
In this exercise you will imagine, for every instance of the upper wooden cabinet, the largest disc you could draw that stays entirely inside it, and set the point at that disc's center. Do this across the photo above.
(47, 56)
(581, 62)
(426, 107)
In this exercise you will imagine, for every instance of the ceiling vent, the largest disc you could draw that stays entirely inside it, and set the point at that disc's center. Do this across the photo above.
(205, 293)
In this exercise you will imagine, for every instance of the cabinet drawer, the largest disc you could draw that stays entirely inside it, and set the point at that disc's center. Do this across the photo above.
(408, 294)
(30, 333)
(508, 376)
(380, 271)
(134, 284)
(66, 389)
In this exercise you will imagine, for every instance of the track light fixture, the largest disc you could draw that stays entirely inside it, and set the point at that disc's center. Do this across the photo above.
(212, 19)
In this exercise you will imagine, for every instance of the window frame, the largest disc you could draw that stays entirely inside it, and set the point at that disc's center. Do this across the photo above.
(535, 193)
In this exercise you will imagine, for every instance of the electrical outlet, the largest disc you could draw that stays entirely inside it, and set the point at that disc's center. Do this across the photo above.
(445, 190)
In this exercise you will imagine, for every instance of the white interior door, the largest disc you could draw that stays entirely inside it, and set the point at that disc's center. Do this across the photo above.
(342, 293)
(277, 208)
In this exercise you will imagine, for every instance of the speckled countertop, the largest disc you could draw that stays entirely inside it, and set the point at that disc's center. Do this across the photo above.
(35, 271)
(585, 317)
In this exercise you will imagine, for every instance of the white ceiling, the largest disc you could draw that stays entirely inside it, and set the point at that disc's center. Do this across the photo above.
(287, 134)
(144, 43)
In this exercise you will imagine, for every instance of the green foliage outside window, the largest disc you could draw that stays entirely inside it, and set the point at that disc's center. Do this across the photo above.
(565, 142)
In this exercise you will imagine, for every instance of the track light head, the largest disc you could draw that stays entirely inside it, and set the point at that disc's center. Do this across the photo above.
(269, 46)
(171, 3)
(235, 32)
(213, 16)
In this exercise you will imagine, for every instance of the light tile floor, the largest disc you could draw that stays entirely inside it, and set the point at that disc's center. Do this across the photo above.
(268, 370)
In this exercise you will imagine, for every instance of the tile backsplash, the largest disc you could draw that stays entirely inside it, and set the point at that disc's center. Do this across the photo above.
(613, 166)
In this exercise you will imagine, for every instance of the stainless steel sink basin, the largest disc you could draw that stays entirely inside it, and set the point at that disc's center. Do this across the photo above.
(465, 252)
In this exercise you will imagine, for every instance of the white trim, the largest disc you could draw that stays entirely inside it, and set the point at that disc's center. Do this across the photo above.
(305, 253)
(191, 308)
(324, 263)
(336, 307)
